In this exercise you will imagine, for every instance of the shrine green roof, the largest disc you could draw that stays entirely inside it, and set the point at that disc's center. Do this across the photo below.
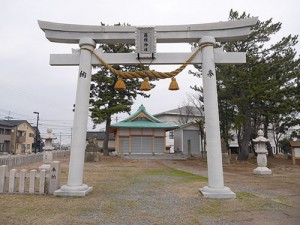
(142, 119)
(143, 124)
(139, 112)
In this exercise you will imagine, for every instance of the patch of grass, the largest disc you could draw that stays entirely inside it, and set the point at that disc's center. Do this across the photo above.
(273, 205)
(109, 207)
(261, 203)
(131, 204)
(187, 176)
(213, 209)
(245, 195)
(282, 200)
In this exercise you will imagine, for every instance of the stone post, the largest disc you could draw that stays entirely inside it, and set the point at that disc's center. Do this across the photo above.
(215, 188)
(42, 181)
(261, 150)
(225, 156)
(22, 181)
(55, 173)
(12, 181)
(3, 171)
(75, 186)
(48, 148)
(32, 178)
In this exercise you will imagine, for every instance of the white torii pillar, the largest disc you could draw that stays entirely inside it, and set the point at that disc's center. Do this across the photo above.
(215, 188)
(75, 186)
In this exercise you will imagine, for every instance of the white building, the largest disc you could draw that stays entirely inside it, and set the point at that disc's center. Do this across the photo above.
(181, 116)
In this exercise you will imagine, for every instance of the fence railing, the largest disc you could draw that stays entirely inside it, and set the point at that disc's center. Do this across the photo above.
(12, 161)
(26, 182)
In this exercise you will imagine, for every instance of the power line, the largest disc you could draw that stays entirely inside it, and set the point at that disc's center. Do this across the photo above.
(55, 125)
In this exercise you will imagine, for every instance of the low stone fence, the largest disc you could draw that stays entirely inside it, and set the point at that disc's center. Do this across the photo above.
(26, 182)
(12, 161)
(60, 153)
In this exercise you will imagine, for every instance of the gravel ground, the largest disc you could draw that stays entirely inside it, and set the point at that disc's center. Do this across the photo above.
(159, 191)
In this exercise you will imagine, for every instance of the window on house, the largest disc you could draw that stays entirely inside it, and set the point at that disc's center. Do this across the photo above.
(21, 133)
(28, 146)
(1, 147)
(1, 131)
(7, 131)
(23, 148)
(171, 134)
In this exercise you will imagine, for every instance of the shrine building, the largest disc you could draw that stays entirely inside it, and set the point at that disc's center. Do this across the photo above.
(141, 133)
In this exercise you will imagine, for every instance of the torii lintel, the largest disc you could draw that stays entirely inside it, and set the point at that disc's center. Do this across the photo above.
(222, 31)
(73, 59)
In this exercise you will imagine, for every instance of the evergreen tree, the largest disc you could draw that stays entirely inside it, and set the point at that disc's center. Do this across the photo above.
(266, 88)
(105, 101)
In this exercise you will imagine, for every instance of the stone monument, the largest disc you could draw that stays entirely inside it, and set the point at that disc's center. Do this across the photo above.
(92, 150)
(225, 157)
(48, 155)
(261, 150)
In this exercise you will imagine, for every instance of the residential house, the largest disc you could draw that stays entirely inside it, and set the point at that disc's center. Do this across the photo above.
(141, 133)
(16, 136)
(5, 136)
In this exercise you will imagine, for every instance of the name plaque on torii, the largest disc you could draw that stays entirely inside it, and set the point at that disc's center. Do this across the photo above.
(87, 36)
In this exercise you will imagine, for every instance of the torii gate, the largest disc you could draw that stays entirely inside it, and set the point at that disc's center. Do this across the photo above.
(88, 36)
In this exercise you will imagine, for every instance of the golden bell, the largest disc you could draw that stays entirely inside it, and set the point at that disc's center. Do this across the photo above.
(173, 85)
(145, 85)
(120, 85)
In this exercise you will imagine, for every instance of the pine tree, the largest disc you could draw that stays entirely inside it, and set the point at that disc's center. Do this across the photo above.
(105, 101)
(266, 88)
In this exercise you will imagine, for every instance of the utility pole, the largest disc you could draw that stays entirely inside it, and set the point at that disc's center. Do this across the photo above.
(59, 140)
(37, 130)
(8, 117)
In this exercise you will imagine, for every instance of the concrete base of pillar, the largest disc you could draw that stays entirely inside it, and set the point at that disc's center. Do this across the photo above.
(262, 171)
(69, 191)
(217, 193)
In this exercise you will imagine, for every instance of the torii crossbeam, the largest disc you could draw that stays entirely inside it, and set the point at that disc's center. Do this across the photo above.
(205, 34)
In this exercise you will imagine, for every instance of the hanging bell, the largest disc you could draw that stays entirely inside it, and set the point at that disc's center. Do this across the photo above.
(173, 85)
(145, 85)
(120, 85)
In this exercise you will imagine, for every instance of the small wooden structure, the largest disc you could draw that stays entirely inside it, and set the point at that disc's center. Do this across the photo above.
(295, 150)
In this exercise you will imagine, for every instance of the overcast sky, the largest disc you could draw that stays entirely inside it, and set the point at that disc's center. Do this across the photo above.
(28, 83)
